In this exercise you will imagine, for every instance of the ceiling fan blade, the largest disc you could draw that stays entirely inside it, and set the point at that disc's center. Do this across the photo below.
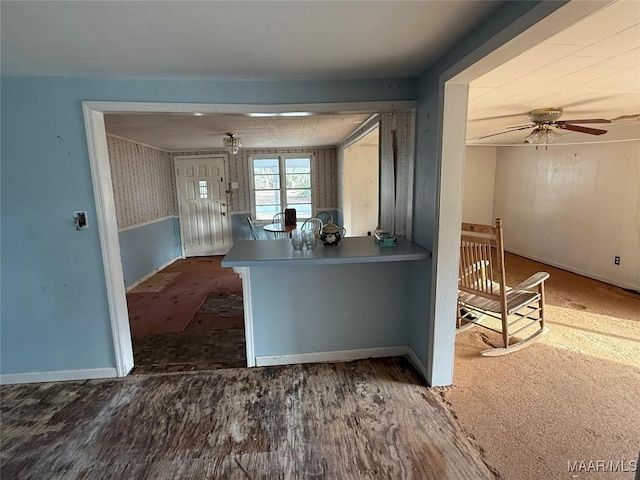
(626, 118)
(500, 133)
(578, 128)
(587, 120)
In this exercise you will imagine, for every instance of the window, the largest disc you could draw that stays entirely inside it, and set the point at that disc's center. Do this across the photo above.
(279, 182)
(202, 184)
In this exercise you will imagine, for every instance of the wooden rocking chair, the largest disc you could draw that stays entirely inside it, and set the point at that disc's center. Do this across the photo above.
(480, 298)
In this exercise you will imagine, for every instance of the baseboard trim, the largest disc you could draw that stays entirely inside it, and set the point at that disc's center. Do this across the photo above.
(417, 363)
(331, 356)
(345, 356)
(149, 275)
(57, 376)
(577, 271)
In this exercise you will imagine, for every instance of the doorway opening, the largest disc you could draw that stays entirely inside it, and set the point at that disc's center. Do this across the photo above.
(188, 317)
(360, 185)
(579, 309)
(184, 314)
(94, 113)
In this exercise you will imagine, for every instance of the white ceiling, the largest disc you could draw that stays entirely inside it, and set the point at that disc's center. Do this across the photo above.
(188, 132)
(591, 69)
(231, 39)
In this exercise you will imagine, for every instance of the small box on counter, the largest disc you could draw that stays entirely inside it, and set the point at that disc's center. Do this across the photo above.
(385, 239)
(290, 216)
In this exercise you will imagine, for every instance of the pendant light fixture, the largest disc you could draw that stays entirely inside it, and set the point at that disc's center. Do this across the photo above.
(232, 143)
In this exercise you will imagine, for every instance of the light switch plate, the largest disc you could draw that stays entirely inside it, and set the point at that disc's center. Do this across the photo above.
(80, 220)
(234, 185)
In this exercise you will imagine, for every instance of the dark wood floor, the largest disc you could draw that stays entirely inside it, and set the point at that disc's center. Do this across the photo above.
(190, 351)
(370, 419)
(171, 333)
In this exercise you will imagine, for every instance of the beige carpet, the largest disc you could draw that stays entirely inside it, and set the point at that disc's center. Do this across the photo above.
(574, 396)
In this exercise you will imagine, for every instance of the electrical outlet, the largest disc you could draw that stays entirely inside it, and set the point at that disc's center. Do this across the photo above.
(616, 260)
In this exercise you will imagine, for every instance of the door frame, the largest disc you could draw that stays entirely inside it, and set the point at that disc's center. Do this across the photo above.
(342, 177)
(225, 163)
(93, 113)
(453, 89)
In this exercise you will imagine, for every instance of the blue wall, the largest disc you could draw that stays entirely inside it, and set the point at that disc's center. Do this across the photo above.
(145, 249)
(362, 305)
(54, 312)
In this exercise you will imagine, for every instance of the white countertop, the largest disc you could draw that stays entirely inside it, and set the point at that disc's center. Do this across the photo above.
(256, 253)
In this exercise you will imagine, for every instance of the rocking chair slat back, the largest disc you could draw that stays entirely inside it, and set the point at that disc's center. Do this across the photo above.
(482, 284)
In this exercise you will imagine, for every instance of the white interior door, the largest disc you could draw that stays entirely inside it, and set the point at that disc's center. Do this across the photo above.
(202, 201)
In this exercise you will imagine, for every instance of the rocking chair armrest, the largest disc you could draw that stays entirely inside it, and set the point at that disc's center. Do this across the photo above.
(532, 281)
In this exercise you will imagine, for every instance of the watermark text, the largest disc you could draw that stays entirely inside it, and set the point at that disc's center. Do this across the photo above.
(602, 466)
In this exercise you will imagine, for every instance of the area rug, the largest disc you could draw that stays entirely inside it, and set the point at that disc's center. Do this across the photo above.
(156, 283)
(223, 305)
(220, 310)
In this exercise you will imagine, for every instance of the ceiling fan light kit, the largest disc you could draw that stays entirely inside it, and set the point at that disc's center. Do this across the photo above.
(543, 119)
(542, 136)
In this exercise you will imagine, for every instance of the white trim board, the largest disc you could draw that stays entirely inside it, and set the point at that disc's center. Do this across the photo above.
(417, 363)
(144, 224)
(137, 143)
(362, 131)
(331, 356)
(577, 271)
(245, 275)
(333, 107)
(151, 274)
(109, 240)
(345, 356)
(57, 376)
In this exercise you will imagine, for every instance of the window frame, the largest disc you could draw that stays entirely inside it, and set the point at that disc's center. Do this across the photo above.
(281, 157)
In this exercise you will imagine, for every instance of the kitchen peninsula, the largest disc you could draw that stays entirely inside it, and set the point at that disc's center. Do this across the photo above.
(330, 303)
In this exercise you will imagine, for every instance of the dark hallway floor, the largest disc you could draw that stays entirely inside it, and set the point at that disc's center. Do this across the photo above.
(371, 419)
(188, 317)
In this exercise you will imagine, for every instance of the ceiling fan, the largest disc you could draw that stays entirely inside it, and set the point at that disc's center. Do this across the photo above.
(543, 119)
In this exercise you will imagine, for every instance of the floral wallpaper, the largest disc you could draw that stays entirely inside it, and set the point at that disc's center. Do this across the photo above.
(143, 179)
(324, 174)
(395, 201)
(144, 185)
